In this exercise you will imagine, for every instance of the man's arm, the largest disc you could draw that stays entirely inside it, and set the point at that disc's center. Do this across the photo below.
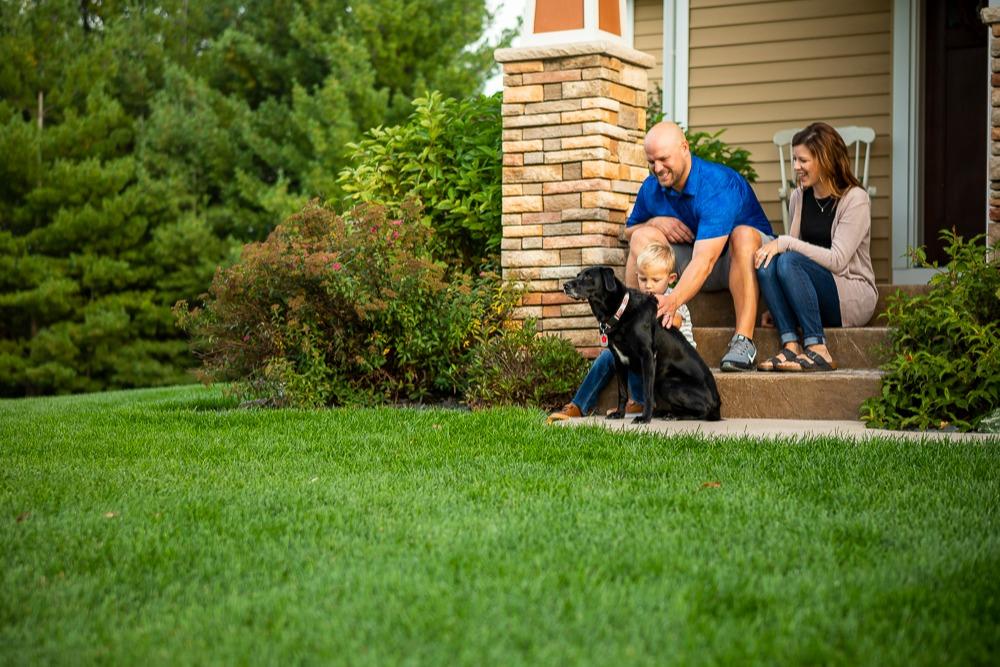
(673, 229)
(706, 253)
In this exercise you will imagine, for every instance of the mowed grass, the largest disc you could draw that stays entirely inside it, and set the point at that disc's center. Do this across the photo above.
(164, 527)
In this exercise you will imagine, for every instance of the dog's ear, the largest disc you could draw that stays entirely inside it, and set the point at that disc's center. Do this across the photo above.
(610, 281)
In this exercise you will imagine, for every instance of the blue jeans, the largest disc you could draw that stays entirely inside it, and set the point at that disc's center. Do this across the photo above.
(601, 372)
(800, 293)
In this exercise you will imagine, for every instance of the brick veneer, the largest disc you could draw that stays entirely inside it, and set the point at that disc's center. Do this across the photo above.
(991, 17)
(573, 122)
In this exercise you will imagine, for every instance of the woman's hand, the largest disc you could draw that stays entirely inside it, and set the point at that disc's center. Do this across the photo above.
(765, 254)
(767, 320)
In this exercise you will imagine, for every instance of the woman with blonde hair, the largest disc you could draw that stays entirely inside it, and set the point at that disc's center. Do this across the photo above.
(820, 274)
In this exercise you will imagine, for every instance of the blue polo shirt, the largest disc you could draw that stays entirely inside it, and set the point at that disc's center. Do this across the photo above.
(715, 200)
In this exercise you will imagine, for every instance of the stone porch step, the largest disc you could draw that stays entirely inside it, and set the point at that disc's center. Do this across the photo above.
(715, 309)
(852, 348)
(753, 395)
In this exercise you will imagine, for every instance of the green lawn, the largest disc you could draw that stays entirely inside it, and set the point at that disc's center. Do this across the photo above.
(164, 527)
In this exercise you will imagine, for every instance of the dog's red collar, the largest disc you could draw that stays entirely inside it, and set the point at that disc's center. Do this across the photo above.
(621, 308)
(605, 326)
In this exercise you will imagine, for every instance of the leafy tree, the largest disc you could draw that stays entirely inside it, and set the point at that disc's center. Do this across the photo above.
(143, 141)
(448, 156)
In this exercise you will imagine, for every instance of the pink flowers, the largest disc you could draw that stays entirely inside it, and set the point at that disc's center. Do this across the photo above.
(397, 222)
(336, 266)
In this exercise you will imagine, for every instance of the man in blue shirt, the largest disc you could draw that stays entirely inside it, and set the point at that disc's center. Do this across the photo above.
(710, 215)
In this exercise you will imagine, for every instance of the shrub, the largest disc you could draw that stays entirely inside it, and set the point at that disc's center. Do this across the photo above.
(344, 309)
(944, 361)
(705, 145)
(448, 155)
(521, 368)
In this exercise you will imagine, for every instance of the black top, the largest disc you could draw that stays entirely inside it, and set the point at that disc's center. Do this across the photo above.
(817, 218)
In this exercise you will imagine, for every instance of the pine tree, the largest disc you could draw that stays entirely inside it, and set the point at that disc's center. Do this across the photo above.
(143, 141)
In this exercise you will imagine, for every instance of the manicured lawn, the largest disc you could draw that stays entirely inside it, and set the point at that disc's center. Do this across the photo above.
(163, 527)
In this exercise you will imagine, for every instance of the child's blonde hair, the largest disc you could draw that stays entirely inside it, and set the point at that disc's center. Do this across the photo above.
(656, 256)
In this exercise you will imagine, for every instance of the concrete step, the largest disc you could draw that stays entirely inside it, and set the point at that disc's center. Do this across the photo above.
(851, 348)
(754, 395)
(715, 309)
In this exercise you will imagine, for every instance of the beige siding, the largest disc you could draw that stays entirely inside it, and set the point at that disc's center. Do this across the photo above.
(759, 67)
(648, 35)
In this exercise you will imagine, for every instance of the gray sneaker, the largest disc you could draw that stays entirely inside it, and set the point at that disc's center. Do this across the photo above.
(741, 355)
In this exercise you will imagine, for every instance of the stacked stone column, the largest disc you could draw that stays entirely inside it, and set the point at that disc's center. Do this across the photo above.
(991, 17)
(573, 121)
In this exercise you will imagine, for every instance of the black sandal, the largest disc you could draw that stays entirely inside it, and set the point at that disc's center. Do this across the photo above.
(784, 356)
(816, 363)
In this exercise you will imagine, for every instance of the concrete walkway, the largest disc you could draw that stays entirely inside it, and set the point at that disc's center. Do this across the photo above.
(774, 428)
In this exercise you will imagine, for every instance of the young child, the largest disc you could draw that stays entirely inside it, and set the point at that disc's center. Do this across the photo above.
(656, 274)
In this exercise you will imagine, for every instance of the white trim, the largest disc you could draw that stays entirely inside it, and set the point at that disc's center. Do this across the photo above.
(906, 122)
(682, 39)
(628, 23)
(590, 16)
(676, 40)
(666, 77)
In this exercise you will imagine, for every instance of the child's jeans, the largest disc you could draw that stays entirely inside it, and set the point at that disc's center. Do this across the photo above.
(601, 372)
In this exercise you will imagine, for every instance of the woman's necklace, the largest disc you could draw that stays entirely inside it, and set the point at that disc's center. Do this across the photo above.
(822, 207)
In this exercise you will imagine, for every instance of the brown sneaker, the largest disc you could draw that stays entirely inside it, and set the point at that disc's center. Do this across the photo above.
(568, 411)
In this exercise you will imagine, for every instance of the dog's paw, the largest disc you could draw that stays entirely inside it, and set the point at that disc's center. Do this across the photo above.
(617, 414)
(641, 420)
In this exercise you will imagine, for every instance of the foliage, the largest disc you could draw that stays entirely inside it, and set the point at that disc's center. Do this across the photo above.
(709, 146)
(706, 145)
(522, 368)
(944, 362)
(93, 252)
(142, 142)
(447, 154)
(333, 310)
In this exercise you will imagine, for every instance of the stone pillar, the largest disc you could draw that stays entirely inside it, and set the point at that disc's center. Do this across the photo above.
(991, 17)
(574, 117)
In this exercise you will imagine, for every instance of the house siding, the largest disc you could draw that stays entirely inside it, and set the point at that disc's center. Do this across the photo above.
(648, 36)
(759, 67)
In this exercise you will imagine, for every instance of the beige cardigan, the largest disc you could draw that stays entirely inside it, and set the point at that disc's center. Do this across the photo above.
(848, 258)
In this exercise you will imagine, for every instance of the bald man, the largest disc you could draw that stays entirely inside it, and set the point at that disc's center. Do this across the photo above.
(710, 215)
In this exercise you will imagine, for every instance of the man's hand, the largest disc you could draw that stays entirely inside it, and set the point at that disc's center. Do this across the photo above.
(666, 306)
(672, 228)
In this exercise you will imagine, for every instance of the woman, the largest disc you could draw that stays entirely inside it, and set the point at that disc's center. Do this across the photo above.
(820, 273)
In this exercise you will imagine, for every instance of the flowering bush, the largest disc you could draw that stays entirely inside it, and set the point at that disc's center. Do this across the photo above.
(335, 309)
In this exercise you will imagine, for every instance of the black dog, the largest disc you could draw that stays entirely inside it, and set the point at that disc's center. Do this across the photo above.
(671, 369)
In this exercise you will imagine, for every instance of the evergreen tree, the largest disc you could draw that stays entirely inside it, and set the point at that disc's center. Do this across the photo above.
(143, 141)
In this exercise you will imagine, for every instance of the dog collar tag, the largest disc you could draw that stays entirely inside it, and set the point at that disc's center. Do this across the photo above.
(604, 340)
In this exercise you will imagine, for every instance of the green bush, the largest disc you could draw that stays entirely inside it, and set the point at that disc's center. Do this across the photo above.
(522, 368)
(349, 309)
(944, 362)
(448, 155)
(705, 145)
